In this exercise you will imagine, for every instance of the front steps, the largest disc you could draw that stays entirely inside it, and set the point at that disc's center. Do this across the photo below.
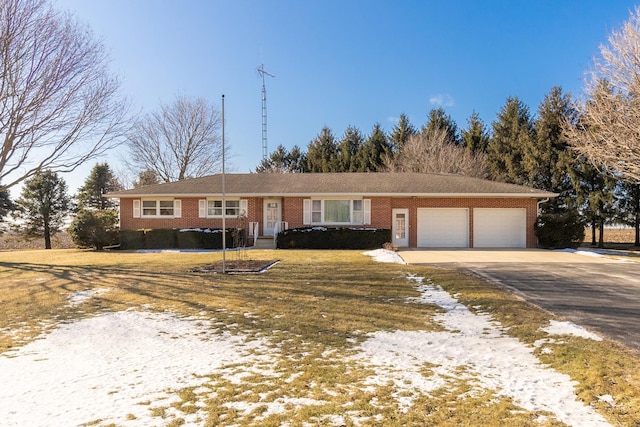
(265, 242)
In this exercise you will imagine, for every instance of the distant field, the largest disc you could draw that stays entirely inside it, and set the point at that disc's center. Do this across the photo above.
(12, 241)
(614, 235)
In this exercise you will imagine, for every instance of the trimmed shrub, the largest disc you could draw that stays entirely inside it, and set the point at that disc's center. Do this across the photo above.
(132, 239)
(171, 238)
(94, 228)
(332, 238)
(560, 230)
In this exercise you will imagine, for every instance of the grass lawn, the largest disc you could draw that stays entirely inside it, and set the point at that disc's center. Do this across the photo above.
(314, 310)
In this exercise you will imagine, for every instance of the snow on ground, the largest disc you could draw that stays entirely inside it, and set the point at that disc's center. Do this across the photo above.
(117, 366)
(491, 359)
(108, 366)
(81, 297)
(568, 328)
(384, 255)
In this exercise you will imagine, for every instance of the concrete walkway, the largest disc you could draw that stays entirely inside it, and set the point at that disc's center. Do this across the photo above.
(601, 293)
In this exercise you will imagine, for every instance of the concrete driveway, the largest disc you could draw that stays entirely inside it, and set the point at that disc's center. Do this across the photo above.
(601, 293)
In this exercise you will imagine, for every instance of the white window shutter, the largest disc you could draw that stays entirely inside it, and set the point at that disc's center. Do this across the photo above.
(244, 207)
(202, 208)
(366, 205)
(136, 208)
(306, 211)
(177, 208)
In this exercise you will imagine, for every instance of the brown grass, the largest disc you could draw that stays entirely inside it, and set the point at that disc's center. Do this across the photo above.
(311, 304)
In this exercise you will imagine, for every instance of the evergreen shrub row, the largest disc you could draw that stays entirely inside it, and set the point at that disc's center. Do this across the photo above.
(333, 238)
(172, 238)
(559, 230)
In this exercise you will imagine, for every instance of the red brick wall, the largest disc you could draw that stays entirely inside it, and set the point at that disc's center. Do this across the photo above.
(189, 218)
(414, 203)
(292, 212)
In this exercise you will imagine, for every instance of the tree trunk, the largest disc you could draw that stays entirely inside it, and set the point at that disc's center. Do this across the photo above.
(637, 224)
(601, 234)
(47, 235)
(593, 232)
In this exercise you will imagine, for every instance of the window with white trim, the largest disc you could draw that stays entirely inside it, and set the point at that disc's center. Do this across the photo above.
(153, 208)
(336, 211)
(233, 208)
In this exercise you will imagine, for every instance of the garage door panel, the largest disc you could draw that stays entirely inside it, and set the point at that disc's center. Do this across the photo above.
(443, 228)
(499, 228)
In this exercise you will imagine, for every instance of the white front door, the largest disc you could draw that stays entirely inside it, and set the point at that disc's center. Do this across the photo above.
(400, 227)
(272, 215)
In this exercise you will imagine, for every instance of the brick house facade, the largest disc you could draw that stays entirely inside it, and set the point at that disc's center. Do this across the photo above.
(433, 210)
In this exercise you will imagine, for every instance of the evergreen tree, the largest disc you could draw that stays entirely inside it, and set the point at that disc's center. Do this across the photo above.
(513, 131)
(401, 132)
(475, 137)
(282, 161)
(440, 120)
(101, 181)
(94, 228)
(147, 177)
(628, 207)
(547, 160)
(596, 195)
(347, 150)
(371, 153)
(6, 205)
(321, 152)
(44, 204)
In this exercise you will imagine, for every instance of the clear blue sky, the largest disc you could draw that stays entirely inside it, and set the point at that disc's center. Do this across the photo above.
(345, 62)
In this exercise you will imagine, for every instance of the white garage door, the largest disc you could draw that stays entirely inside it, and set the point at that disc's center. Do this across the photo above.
(499, 228)
(443, 228)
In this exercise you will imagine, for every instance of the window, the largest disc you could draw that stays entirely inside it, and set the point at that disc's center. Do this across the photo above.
(358, 212)
(338, 211)
(149, 207)
(159, 208)
(316, 211)
(232, 208)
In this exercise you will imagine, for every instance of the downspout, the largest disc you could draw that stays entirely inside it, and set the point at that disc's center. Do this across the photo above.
(539, 203)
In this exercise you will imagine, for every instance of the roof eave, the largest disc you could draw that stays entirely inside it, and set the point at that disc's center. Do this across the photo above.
(535, 195)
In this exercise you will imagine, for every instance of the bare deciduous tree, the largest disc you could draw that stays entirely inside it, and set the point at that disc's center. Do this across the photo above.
(433, 152)
(178, 141)
(608, 128)
(59, 105)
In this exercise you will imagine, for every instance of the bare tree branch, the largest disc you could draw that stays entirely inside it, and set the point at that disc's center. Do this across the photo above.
(608, 129)
(433, 152)
(179, 141)
(59, 105)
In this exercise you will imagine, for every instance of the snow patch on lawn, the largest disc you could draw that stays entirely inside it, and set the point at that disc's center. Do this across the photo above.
(476, 349)
(108, 366)
(385, 255)
(568, 328)
(80, 297)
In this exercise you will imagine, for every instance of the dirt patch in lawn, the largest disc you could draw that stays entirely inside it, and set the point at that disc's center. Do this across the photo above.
(237, 266)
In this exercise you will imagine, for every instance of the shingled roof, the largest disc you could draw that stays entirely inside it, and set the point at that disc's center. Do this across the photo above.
(335, 184)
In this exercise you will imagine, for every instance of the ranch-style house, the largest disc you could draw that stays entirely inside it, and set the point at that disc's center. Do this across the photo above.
(421, 210)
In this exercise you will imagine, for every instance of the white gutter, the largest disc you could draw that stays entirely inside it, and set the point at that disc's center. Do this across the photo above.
(345, 194)
(539, 203)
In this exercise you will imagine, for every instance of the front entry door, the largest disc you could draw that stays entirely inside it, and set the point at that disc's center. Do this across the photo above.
(272, 215)
(400, 227)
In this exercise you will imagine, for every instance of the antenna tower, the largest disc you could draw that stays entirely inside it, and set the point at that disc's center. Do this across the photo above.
(262, 73)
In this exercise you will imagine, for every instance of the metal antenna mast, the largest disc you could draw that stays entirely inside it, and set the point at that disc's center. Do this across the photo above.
(262, 73)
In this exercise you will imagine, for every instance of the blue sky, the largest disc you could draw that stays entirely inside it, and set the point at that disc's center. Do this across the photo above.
(346, 62)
